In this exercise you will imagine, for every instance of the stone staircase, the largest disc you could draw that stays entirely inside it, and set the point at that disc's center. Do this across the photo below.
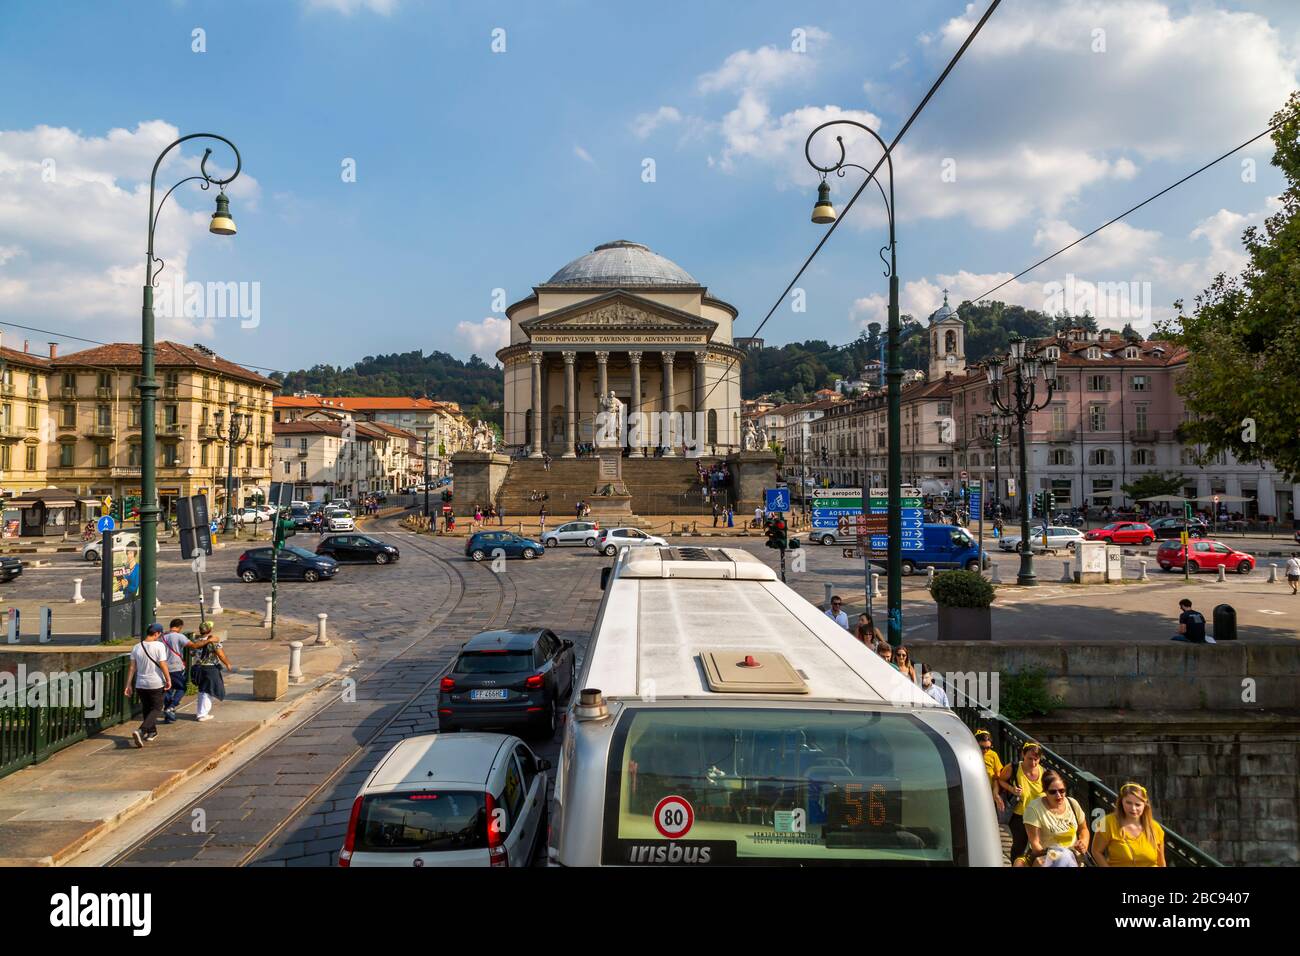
(659, 486)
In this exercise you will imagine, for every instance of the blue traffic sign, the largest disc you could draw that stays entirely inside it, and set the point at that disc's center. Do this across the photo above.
(105, 523)
(778, 499)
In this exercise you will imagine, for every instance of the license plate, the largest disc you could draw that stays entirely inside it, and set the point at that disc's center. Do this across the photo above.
(487, 695)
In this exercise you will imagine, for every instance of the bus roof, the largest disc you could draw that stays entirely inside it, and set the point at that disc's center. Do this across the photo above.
(667, 608)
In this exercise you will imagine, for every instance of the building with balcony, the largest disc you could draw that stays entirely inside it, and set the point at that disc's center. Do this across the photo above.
(25, 428)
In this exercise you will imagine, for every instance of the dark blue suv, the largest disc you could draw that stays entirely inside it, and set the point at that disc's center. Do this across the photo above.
(507, 679)
(483, 545)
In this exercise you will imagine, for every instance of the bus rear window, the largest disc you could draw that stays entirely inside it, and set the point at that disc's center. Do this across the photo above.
(426, 821)
(735, 786)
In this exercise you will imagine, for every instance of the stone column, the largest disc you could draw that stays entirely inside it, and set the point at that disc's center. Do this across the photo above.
(602, 377)
(539, 416)
(700, 427)
(570, 406)
(634, 406)
(665, 435)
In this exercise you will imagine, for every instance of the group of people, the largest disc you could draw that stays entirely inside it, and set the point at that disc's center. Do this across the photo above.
(899, 658)
(157, 674)
(1049, 827)
(725, 514)
(482, 515)
(369, 504)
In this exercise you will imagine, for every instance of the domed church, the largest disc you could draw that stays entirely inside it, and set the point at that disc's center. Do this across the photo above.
(626, 320)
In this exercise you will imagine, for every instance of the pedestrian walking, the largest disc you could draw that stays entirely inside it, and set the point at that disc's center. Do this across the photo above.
(501, 516)
(1293, 571)
(1130, 836)
(716, 512)
(836, 612)
(1056, 826)
(936, 692)
(207, 672)
(867, 632)
(992, 767)
(731, 517)
(1025, 784)
(541, 515)
(903, 661)
(148, 677)
(175, 641)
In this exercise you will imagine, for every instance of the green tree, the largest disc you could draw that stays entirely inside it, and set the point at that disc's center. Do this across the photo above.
(1242, 380)
(1153, 483)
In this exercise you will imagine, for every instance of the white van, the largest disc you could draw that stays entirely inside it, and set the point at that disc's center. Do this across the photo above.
(727, 721)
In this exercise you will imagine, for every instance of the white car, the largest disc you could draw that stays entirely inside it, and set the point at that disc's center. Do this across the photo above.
(574, 532)
(339, 520)
(463, 799)
(90, 550)
(610, 540)
(1059, 538)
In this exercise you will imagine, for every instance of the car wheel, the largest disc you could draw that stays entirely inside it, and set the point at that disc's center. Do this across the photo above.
(1146, 540)
(381, 559)
(1166, 567)
(552, 542)
(1193, 567)
(973, 564)
(908, 569)
(544, 729)
(92, 555)
(610, 551)
(477, 554)
(1244, 567)
(529, 554)
(248, 576)
(590, 542)
(828, 539)
(311, 575)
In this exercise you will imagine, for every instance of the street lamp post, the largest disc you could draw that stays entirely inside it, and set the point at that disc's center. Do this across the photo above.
(236, 431)
(425, 432)
(823, 214)
(995, 429)
(222, 225)
(1025, 369)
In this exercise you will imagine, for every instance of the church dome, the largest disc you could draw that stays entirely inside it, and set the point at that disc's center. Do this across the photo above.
(621, 264)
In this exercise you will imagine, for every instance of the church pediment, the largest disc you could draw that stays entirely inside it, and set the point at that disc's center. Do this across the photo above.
(618, 312)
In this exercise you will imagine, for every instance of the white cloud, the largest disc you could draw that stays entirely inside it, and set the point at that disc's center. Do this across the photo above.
(582, 154)
(349, 7)
(766, 67)
(72, 215)
(920, 297)
(646, 123)
(486, 337)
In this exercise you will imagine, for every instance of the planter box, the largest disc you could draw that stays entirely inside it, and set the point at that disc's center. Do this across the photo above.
(965, 623)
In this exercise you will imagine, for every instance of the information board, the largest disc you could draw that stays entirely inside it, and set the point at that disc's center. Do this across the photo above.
(911, 520)
(829, 505)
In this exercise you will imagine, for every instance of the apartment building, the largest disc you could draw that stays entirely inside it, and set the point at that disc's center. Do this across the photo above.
(24, 420)
(327, 454)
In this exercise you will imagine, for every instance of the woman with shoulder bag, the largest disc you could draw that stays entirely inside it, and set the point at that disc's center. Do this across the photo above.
(1056, 826)
(1023, 780)
(207, 672)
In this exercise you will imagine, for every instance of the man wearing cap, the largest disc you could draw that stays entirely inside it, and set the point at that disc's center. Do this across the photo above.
(147, 676)
(992, 766)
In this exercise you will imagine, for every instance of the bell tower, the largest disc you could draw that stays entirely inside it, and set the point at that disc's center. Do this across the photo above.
(947, 341)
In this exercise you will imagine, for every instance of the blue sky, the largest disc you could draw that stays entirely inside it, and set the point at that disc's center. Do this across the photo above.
(478, 170)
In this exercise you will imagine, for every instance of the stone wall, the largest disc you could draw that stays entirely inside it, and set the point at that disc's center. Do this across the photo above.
(1229, 783)
(477, 476)
(752, 473)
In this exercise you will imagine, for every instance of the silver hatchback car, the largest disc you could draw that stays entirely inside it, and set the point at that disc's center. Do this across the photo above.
(582, 533)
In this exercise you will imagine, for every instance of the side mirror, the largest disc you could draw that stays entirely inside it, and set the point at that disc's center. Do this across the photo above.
(604, 577)
(543, 765)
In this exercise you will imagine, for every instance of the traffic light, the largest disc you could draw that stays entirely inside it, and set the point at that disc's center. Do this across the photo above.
(776, 534)
(283, 529)
(1051, 503)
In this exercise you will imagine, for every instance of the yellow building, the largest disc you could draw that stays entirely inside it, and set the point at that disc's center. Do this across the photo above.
(24, 421)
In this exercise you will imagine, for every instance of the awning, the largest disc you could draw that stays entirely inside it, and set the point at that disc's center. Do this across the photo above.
(49, 497)
(1168, 499)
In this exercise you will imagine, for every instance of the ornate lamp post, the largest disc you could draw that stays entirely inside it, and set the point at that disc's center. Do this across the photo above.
(236, 432)
(1024, 370)
(823, 214)
(995, 429)
(222, 225)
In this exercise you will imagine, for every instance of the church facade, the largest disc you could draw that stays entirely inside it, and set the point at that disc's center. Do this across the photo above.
(622, 320)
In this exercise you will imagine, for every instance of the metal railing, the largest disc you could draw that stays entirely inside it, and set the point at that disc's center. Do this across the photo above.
(34, 732)
(1085, 787)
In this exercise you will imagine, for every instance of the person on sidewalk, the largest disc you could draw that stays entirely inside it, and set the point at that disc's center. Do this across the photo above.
(716, 512)
(836, 612)
(1293, 571)
(731, 517)
(175, 641)
(207, 672)
(148, 677)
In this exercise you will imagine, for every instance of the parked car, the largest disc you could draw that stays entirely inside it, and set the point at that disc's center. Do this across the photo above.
(90, 551)
(357, 547)
(10, 568)
(450, 800)
(609, 540)
(295, 564)
(339, 520)
(484, 544)
(508, 679)
(1203, 555)
(575, 532)
(1059, 537)
(1173, 528)
(1123, 532)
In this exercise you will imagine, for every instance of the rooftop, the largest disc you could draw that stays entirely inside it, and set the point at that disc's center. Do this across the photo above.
(621, 264)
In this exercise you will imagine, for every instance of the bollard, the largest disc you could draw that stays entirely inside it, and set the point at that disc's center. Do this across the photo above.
(320, 628)
(1223, 573)
(266, 621)
(929, 578)
(996, 576)
(295, 662)
(216, 600)
(875, 584)
(76, 592)
(1067, 576)
(829, 589)
(1143, 565)
(1272, 574)
(47, 625)
(13, 625)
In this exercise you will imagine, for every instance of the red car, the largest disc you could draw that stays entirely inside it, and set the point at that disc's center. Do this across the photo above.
(1123, 532)
(1203, 555)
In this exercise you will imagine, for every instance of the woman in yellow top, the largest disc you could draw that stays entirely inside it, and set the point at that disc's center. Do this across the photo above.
(1025, 784)
(1129, 836)
(1056, 824)
(992, 766)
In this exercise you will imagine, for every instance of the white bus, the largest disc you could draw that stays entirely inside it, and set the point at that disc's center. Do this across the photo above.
(726, 721)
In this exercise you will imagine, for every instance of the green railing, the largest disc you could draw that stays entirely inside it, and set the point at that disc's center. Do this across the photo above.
(1085, 787)
(36, 730)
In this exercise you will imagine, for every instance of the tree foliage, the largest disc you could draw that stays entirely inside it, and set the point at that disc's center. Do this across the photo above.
(1153, 483)
(1242, 381)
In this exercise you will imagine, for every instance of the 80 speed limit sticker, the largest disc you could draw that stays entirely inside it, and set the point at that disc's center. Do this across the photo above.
(674, 817)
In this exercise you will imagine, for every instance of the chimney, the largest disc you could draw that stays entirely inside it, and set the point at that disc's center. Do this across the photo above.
(27, 346)
(54, 350)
